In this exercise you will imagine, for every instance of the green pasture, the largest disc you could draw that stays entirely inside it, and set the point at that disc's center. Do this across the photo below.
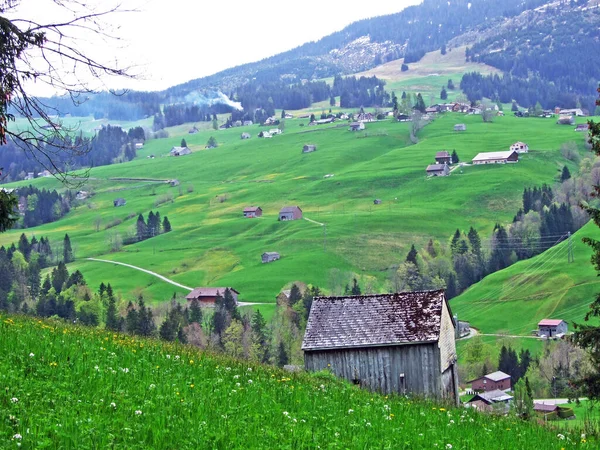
(212, 244)
(81, 388)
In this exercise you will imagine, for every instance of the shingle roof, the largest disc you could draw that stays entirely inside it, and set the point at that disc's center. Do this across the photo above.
(443, 154)
(542, 407)
(493, 396)
(289, 209)
(435, 167)
(208, 292)
(550, 323)
(497, 376)
(251, 208)
(368, 320)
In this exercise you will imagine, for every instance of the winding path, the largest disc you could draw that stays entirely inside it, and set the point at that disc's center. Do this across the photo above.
(154, 274)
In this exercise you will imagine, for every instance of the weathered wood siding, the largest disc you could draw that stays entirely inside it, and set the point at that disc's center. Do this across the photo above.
(402, 369)
(447, 342)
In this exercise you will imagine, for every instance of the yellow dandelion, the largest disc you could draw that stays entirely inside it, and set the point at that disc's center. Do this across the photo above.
(191, 361)
(442, 409)
(191, 386)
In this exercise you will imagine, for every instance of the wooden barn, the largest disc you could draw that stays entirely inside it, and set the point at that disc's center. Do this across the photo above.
(391, 343)
(552, 328)
(290, 213)
(443, 157)
(252, 212)
(268, 257)
(207, 296)
(496, 381)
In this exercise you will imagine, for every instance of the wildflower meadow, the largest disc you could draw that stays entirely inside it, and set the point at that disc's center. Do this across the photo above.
(73, 387)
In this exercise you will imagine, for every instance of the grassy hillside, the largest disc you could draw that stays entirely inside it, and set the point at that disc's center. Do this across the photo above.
(68, 387)
(213, 245)
(514, 300)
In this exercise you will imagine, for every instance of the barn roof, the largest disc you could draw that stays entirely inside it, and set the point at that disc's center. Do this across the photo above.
(289, 209)
(435, 167)
(550, 322)
(485, 156)
(252, 208)
(542, 407)
(373, 320)
(492, 397)
(497, 376)
(208, 292)
(442, 154)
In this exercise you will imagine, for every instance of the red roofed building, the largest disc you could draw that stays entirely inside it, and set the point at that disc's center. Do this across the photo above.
(491, 382)
(552, 328)
(252, 211)
(207, 296)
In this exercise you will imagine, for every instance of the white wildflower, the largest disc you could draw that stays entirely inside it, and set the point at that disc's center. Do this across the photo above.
(368, 424)
(295, 420)
(125, 369)
(14, 400)
(176, 357)
(249, 381)
(31, 355)
(350, 411)
(386, 407)
(152, 386)
(285, 413)
(451, 421)
(17, 437)
(235, 377)
(238, 384)
(582, 436)
(97, 368)
(227, 369)
(249, 369)
(168, 356)
(560, 436)
(138, 412)
(113, 404)
(448, 446)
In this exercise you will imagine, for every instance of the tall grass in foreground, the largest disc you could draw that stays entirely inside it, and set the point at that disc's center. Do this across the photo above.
(75, 388)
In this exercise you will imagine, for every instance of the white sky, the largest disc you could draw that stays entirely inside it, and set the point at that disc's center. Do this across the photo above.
(171, 42)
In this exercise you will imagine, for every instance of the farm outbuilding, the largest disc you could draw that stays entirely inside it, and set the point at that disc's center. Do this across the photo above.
(391, 343)
(119, 202)
(252, 211)
(509, 156)
(460, 127)
(582, 127)
(357, 126)
(519, 147)
(180, 151)
(565, 120)
(438, 170)
(377, 201)
(552, 328)
(309, 148)
(443, 157)
(290, 213)
(245, 136)
(493, 401)
(491, 382)
(206, 296)
(268, 257)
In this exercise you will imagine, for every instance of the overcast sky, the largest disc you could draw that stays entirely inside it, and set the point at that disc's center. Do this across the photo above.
(175, 41)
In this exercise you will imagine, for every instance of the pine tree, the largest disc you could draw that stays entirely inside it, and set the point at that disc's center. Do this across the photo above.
(24, 246)
(454, 157)
(141, 228)
(196, 312)
(355, 287)
(420, 103)
(166, 225)
(132, 319)
(67, 250)
(282, 355)
(112, 320)
(60, 275)
(145, 325)
(183, 143)
(295, 294)
(566, 174)
(168, 329)
(231, 305)
(101, 289)
(181, 336)
(412, 255)
(431, 249)
(450, 85)
(522, 404)
(443, 94)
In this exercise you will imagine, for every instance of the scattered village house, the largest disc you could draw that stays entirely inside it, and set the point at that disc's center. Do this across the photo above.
(491, 382)
(119, 202)
(265, 134)
(392, 343)
(252, 211)
(443, 157)
(180, 151)
(44, 173)
(509, 156)
(274, 131)
(365, 117)
(268, 257)
(29, 176)
(566, 120)
(575, 112)
(438, 170)
(544, 409)
(290, 213)
(247, 123)
(519, 147)
(357, 126)
(432, 109)
(139, 145)
(174, 182)
(206, 296)
(552, 328)
(309, 148)
(493, 401)
(81, 195)
(460, 127)
(403, 118)
(246, 136)
(377, 201)
(582, 127)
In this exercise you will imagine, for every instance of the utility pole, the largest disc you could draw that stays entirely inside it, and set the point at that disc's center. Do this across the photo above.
(570, 257)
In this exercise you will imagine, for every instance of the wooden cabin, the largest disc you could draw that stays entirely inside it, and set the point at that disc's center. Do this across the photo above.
(290, 213)
(206, 296)
(391, 343)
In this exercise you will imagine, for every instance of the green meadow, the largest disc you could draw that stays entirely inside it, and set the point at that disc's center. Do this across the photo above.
(212, 244)
(67, 387)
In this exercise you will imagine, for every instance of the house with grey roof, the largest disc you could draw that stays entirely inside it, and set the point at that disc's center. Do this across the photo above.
(460, 127)
(119, 202)
(180, 151)
(290, 213)
(391, 343)
(492, 382)
(207, 296)
(268, 257)
(443, 157)
(438, 170)
(493, 401)
(309, 148)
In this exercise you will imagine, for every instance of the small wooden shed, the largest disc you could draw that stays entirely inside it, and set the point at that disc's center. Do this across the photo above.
(252, 212)
(443, 157)
(309, 148)
(268, 257)
(290, 213)
(206, 296)
(552, 328)
(391, 343)
(119, 202)
(460, 127)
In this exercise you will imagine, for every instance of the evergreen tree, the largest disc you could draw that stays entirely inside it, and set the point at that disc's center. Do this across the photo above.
(522, 403)
(60, 275)
(24, 246)
(101, 289)
(132, 319)
(443, 49)
(34, 279)
(166, 225)
(295, 294)
(450, 85)
(355, 287)
(431, 249)
(282, 355)
(141, 228)
(145, 325)
(181, 336)
(231, 305)
(444, 94)
(67, 250)
(412, 255)
(587, 336)
(566, 174)
(183, 143)
(112, 319)
(75, 279)
(454, 157)
(168, 329)
(195, 312)
(420, 103)
(151, 225)
(46, 286)
(404, 67)
(260, 336)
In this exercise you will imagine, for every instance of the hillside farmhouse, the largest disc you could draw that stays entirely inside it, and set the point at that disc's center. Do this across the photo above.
(206, 296)
(309, 148)
(44, 173)
(268, 257)
(552, 328)
(274, 131)
(492, 401)
(139, 145)
(491, 382)
(432, 109)
(119, 202)
(377, 201)
(403, 118)
(443, 157)
(247, 123)
(575, 112)
(180, 151)
(438, 170)
(357, 126)
(509, 156)
(174, 182)
(365, 117)
(245, 136)
(290, 213)
(582, 127)
(392, 343)
(519, 147)
(81, 195)
(193, 130)
(460, 127)
(253, 211)
(544, 409)
(265, 134)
